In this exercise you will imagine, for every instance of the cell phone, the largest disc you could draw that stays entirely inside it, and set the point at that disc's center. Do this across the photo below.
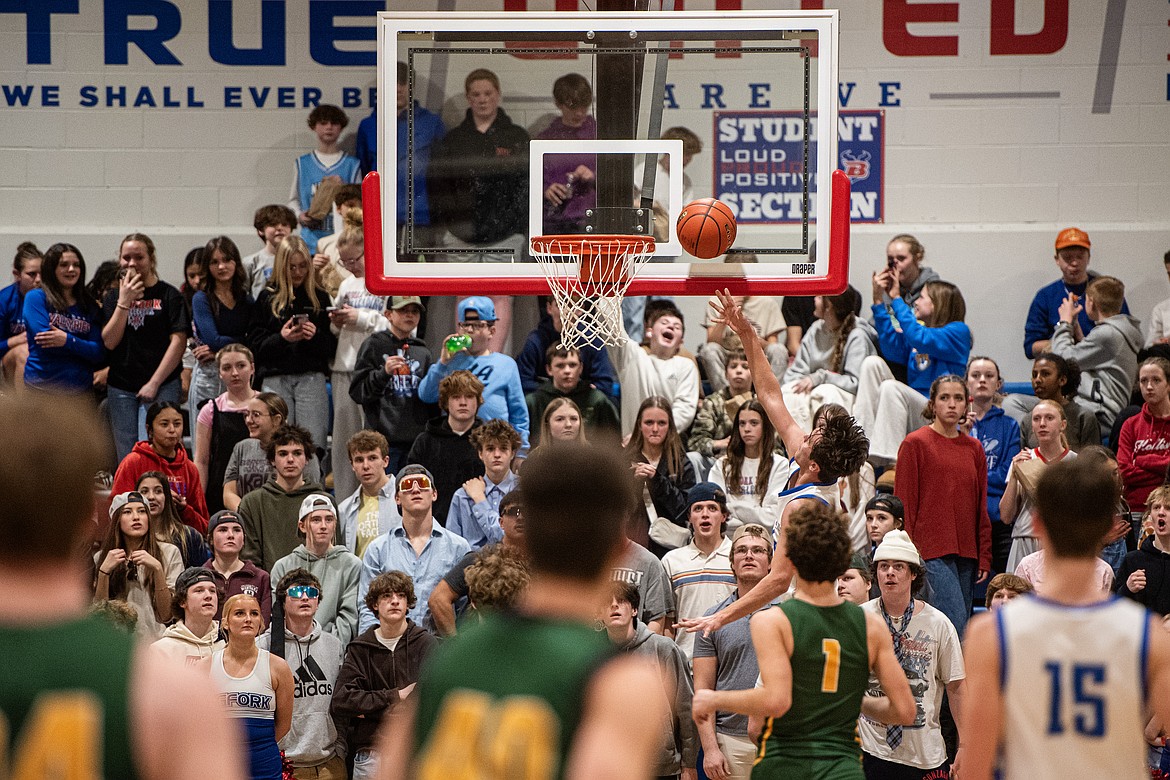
(299, 320)
(330, 309)
(890, 263)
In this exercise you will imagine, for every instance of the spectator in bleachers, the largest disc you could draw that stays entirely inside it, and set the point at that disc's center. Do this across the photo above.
(679, 744)
(904, 256)
(1108, 354)
(326, 166)
(380, 669)
(570, 179)
(664, 475)
(249, 467)
(232, 574)
(700, 571)
(63, 326)
(291, 339)
(829, 360)
(658, 371)
(854, 585)
(938, 345)
(478, 185)
(273, 224)
(883, 513)
(145, 331)
(1003, 588)
(561, 422)
(444, 447)
(942, 481)
(474, 513)
(356, 316)
(495, 582)
(502, 396)
(195, 633)
(532, 362)
(1017, 506)
(642, 569)
(565, 367)
(267, 513)
(763, 312)
(26, 276)
(419, 544)
(725, 660)
(371, 510)
(751, 471)
(711, 432)
(163, 451)
(337, 569)
(389, 367)
(221, 311)
(1000, 437)
(451, 596)
(331, 272)
(1057, 379)
(799, 312)
(312, 744)
(222, 422)
(1145, 573)
(1144, 447)
(132, 564)
(1158, 332)
(165, 521)
(1072, 258)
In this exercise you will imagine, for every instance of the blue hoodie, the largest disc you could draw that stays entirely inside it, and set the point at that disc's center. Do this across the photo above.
(11, 314)
(69, 368)
(927, 353)
(1000, 437)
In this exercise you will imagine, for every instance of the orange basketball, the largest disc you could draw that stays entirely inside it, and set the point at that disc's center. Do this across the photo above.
(706, 228)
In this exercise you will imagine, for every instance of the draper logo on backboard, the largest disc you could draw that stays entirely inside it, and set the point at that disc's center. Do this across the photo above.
(759, 163)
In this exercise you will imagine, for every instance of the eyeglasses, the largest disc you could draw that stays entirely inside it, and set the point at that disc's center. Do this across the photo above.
(474, 325)
(754, 550)
(512, 512)
(414, 482)
(256, 415)
(304, 592)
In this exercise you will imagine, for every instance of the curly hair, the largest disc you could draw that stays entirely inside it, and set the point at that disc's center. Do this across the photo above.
(1067, 369)
(818, 544)
(497, 432)
(841, 448)
(460, 382)
(366, 440)
(390, 582)
(496, 579)
(1006, 582)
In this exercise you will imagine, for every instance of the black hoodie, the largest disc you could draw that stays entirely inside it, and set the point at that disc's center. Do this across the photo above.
(1156, 594)
(450, 457)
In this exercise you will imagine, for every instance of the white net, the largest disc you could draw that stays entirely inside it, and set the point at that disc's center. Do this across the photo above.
(588, 277)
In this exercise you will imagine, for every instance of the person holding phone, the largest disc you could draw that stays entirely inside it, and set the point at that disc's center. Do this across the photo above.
(292, 341)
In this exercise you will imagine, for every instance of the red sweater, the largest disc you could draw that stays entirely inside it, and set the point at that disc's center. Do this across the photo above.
(181, 474)
(943, 484)
(1143, 453)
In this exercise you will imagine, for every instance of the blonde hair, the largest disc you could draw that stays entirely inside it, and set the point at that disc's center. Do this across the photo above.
(1060, 411)
(352, 234)
(283, 292)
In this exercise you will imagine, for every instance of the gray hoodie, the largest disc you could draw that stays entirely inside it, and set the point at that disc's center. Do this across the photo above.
(1108, 358)
(680, 741)
(815, 356)
(339, 571)
(315, 661)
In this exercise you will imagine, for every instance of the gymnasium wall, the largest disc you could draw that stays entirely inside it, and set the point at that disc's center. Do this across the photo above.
(1004, 121)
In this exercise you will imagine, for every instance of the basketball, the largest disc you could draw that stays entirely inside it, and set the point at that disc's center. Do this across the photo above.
(706, 228)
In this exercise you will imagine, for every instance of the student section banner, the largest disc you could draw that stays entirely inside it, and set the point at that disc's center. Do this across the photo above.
(759, 164)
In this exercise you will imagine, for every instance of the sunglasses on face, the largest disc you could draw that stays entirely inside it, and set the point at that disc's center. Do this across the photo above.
(413, 482)
(304, 592)
(512, 512)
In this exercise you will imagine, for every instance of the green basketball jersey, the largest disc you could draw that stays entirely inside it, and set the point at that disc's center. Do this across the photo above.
(506, 693)
(830, 671)
(64, 699)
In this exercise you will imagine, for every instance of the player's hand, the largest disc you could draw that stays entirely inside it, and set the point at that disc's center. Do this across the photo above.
(1136, 581)
(803, 385)
(728, 312)
(114, 558)
(474, 488)
(557, 193)
(53, 337)
(705, 625)
(715, 764)
(643, 470)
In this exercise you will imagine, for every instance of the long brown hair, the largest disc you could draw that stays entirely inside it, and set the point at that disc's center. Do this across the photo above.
(672, 448)
(557, 403)
(842, 306)
(168, 526)
(737, 451)
(949, 305)
(239, 281)
(115, 539)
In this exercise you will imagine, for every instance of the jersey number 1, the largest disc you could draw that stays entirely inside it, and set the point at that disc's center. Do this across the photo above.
(1088, 685)
(831, 649)
(477, 738)
(61, 737)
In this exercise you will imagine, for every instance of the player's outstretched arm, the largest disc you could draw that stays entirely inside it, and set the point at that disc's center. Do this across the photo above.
(767, 385)
(166, 700)
(897, 706)
(772, 638)
(982, 713)
(618, 735)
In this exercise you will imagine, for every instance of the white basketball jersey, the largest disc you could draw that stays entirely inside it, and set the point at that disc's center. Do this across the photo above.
(1073, 681)
(826, 492)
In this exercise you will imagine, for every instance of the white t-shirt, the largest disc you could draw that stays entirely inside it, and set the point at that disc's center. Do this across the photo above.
(932, 657)
(698, 582)
(746, 507)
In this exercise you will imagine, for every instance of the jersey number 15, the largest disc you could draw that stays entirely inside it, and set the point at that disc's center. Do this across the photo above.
(1087, 707)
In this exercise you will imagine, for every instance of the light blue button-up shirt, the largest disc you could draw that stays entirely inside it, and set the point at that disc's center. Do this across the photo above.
(392, 551)
(479, 523)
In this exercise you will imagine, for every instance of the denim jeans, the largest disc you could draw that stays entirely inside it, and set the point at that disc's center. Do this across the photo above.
(1113, 554)
(308, 404)
(128, 414)
(951, 580)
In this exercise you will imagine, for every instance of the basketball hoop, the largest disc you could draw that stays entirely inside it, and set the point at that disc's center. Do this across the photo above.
(588, 276)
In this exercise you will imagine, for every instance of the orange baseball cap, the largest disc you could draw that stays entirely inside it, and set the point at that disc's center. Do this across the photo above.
(1072, 237)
